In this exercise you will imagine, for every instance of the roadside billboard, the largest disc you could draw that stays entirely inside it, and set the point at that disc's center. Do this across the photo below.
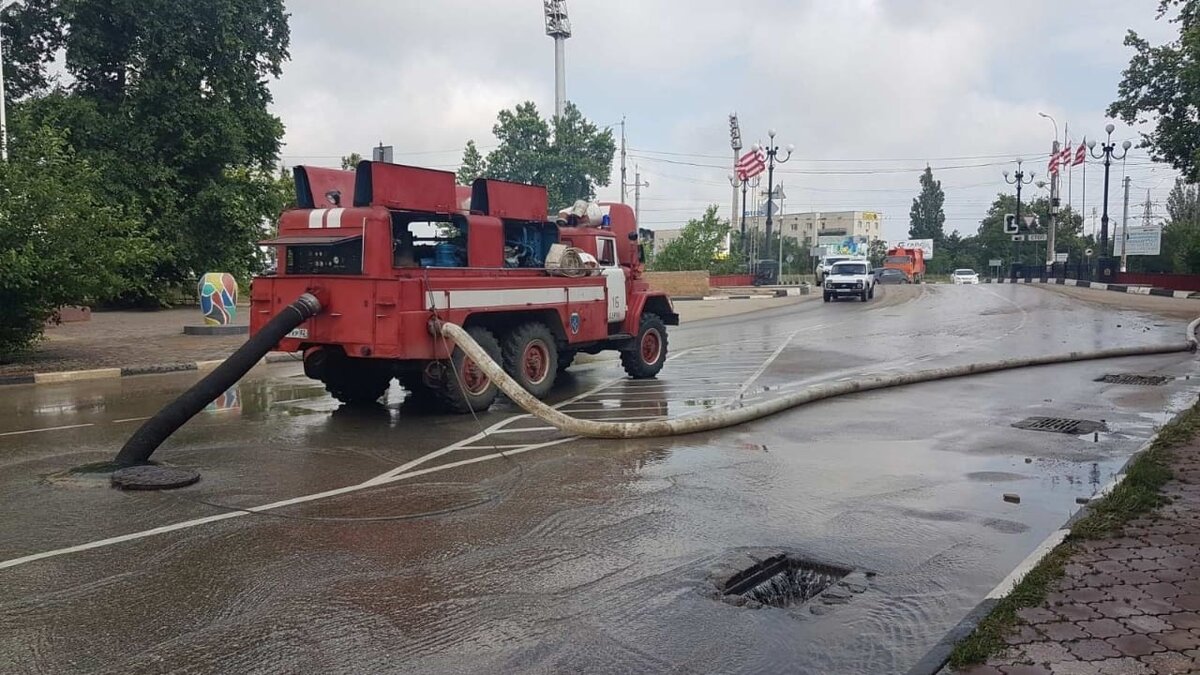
(925, 245)
(843, 245)
(1140, 241)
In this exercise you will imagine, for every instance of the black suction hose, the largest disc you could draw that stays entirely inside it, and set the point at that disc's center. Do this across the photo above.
(157, 429)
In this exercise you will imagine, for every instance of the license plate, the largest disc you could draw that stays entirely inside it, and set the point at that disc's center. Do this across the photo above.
(298, 334)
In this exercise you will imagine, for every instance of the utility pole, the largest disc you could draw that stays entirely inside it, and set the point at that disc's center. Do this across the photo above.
(559, 28)
(637, 194)
(1125, 226)
(622, 159)
(1050, 250)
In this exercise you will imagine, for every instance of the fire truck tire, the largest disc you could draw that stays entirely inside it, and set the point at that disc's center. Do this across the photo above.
(420, 394)
(531, 357)
(565, 358)
(471, 390)
(649, 351)
(358, 383)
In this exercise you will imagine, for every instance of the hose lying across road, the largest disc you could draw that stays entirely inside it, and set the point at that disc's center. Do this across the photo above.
(720, 418)
(149, 436)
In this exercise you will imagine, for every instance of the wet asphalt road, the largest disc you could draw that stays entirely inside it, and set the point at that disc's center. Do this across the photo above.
(396, 541)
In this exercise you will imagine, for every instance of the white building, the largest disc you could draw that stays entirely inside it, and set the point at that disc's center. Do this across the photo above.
(809, 226)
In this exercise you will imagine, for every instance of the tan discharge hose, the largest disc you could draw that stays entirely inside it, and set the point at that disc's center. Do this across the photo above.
(738, 413)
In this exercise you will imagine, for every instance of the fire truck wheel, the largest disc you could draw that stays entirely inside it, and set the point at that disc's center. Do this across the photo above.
(531, 357)
(420, 394)
(565, 358)
(357, 383)
(471, 391)
(649, 349)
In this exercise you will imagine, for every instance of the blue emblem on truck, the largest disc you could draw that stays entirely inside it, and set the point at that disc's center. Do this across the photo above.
(574, 323)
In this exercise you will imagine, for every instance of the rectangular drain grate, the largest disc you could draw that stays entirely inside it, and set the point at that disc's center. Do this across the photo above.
(1134, 378)
(784, 581)
(1060, 425)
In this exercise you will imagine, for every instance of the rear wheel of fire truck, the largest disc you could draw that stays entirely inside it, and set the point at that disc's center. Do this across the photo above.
(356, 382)
(649, 349)
(531, 357)
(464, 388)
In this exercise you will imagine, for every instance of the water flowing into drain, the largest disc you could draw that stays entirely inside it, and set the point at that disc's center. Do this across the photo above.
(784, 581)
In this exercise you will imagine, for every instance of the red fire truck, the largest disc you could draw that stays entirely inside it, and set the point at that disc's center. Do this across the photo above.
(388, 248)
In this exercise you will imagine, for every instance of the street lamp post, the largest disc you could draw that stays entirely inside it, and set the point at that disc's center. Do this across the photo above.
(1052, 226)
(751, 183)
(1018, 179)
(772, 151)
(1106, 153)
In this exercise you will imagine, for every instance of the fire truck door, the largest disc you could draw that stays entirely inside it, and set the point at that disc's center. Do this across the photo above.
(614, 279)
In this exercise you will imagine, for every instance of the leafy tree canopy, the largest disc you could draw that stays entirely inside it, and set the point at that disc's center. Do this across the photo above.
(696, 247)
(569, 155)
(926, 217)
(1162, 85)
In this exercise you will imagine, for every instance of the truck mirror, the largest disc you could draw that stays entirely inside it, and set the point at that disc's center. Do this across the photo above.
(633, 236)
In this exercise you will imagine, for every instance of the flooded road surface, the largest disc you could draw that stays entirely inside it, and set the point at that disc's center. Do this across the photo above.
(325, 539)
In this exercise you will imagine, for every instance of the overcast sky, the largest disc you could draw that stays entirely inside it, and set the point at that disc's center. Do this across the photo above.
(869, 91)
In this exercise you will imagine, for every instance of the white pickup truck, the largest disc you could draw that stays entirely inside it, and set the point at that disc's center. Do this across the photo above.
(849, 278)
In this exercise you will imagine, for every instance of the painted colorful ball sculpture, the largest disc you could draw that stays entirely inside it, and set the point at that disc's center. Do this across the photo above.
(218, 298)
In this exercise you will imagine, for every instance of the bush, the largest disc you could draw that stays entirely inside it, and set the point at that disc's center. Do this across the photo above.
(60, 242)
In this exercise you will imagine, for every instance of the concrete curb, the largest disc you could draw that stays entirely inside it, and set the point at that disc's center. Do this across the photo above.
(939, 655)
(1116, 288)
(777, 293)
(129, 371)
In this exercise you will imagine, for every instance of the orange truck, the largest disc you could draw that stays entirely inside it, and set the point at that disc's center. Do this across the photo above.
(911, 261)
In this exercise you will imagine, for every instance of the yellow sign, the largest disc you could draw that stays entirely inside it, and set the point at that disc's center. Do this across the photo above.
(870, 215)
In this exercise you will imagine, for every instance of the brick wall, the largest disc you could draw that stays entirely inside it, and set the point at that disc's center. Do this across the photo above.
(679, 283)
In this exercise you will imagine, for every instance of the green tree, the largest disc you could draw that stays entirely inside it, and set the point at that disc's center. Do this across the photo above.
(1162, 84)
(472, 166)
(351, 161)
(697, 246)
(991, 242)
(926, 217)
(169, 101)
(1181, 234)
(569, 155)
(877, 252)
(61, 242)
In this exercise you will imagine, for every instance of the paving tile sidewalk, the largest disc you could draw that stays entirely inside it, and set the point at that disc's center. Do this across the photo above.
(1126, 604)
(124, 339)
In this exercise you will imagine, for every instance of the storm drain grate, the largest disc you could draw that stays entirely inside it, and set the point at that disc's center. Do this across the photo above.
(1134, 378)
(784, 581)
(1060, 425)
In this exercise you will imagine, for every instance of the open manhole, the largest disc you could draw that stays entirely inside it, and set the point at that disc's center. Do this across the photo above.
(1060, 425)
(1135, 378)
(784, 581)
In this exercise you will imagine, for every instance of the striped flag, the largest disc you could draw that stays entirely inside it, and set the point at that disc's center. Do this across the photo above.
(1055, 159)
(751, 164)
(1080, 155)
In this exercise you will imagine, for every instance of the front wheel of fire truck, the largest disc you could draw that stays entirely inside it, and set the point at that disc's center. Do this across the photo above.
(649, 350)
(464, 388)
(531, 357)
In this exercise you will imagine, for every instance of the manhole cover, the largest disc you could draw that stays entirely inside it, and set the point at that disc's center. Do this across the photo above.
(783, 581)
(1060, 425)
(1134, 378)
(151, 477)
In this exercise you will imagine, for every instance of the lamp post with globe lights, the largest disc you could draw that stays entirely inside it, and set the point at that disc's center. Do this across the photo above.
(1106, 153)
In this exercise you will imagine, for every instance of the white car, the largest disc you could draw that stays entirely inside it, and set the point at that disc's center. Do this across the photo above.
(965, 276)
(849, 278)
(827, 262)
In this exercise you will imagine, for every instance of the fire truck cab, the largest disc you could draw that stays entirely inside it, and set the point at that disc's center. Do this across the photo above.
(388, 248)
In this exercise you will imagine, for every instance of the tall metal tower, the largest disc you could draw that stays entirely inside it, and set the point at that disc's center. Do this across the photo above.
(559, 28)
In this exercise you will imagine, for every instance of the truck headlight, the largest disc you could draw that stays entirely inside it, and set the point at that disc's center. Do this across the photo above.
(858, 284)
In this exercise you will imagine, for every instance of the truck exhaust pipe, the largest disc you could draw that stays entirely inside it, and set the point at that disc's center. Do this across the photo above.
(153, 432)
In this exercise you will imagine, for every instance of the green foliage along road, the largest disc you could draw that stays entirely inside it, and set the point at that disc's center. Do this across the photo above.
(167, 102)
(569, 155)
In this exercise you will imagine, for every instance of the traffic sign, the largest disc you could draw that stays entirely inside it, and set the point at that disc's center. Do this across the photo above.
(1036, 237)
(995, 262)
(790, 259)
(1031, 221)
(1010, 223)
(1018, 237)
(1060, 257)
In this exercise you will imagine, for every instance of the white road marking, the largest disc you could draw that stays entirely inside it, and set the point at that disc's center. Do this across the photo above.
(130, 419)
(763, 368)
(407, 470)
(37, 431)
